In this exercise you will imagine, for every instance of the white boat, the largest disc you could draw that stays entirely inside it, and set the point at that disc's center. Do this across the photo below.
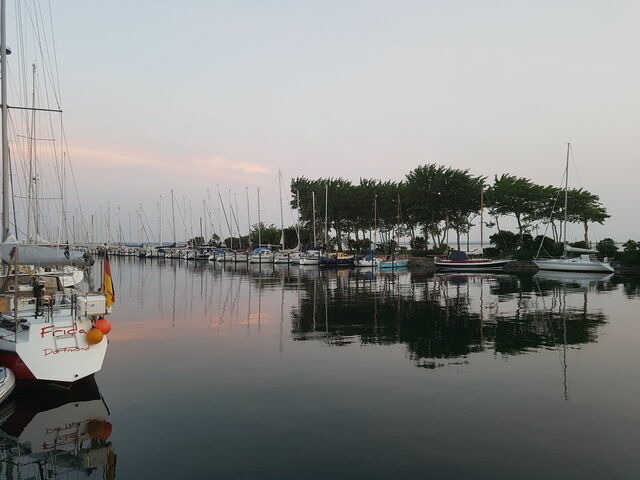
(368, 261)
(233, 257)
(310, 257)
(287, 256)
(47, 326)
(7, 383)
(585, 262)
(47, 335)
(261, 255)
(583, 259)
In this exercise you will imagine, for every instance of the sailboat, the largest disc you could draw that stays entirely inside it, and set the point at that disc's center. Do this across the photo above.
(48, 331)
(391, 262)
(312, 256)
(370, 260)
(334, 259)
(283, 255)
(458, 261)
(584, 259)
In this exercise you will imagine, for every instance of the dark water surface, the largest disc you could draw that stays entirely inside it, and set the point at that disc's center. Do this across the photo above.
(301, 373)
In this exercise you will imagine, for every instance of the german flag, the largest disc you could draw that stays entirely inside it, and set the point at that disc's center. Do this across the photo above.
(107, 285)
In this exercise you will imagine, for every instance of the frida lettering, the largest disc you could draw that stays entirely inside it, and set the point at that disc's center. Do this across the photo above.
(60, 331)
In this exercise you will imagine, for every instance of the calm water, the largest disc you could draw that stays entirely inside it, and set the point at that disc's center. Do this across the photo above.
(300, 373)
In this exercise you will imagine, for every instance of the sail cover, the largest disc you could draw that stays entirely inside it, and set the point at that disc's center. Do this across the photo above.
(580, 250)
(39, 256)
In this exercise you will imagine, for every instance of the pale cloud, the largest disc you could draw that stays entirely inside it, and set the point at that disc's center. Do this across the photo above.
(217, 165)
(223, 163)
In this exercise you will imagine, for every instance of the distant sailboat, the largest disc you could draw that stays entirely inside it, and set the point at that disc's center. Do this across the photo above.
(458, 261)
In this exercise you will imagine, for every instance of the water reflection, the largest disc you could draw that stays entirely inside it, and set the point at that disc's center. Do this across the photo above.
(56, 433)
(449, 316)
(440, 318)
(265, 362)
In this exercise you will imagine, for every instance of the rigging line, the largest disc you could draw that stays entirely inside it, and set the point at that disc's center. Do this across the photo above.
(73, 176)
(13, 200)
(22, 64)
(55, 51)
(148, 223)
(215, 213)
(38, 39)
(550, 218)
(574, 168)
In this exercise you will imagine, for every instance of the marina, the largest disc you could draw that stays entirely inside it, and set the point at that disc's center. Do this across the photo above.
(318, 240)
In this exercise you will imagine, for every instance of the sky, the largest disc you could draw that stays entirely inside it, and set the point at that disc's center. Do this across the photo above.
(221, 95)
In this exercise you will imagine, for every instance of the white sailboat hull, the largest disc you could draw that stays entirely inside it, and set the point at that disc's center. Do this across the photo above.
(55, 351)
(261, 258)
(232, 257)
(573, 265)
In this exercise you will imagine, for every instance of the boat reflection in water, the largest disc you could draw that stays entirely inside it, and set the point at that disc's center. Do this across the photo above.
(56, 433)
(446, 318)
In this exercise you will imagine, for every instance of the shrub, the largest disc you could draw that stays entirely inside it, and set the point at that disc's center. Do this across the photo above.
(607, 247)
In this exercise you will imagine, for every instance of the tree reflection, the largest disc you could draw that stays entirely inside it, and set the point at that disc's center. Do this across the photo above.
(448, 316)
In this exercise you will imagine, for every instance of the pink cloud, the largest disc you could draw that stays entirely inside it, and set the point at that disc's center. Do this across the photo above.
(211, 166)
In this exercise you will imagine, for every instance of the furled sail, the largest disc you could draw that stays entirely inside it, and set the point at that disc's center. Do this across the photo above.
(579, 250)
(40, 256)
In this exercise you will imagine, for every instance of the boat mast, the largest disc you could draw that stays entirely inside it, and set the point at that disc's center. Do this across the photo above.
(5, 140)
(298, 221)
(32, 201)
(481, 218)
(281, 217)
(375, 221)
(226, 219)
(326, 223)
(259, 224)
(236, 215)
(160, 221)
(173, 217)
(398, 225)
(313, 200)
(246, 189)
(566, 188)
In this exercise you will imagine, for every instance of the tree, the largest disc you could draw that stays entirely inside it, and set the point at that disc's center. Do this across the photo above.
(517, 196)
(585, 207)
(607, 247)
(436, 194)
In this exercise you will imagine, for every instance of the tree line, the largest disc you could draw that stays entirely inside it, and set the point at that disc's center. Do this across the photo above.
(432, 200)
